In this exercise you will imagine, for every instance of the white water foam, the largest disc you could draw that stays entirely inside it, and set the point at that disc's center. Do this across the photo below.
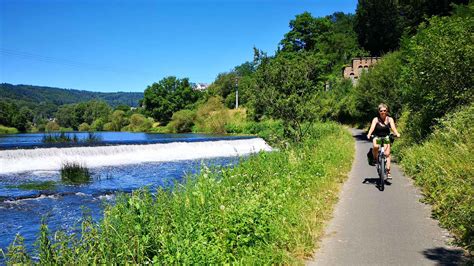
(50, 159)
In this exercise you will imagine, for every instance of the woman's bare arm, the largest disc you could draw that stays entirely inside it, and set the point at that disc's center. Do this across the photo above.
(372, 128)
(394, 128)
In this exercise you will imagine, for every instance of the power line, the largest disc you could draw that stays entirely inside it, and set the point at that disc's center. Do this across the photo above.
(68, 62)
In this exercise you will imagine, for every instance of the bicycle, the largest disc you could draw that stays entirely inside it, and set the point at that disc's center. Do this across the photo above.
(382, 159)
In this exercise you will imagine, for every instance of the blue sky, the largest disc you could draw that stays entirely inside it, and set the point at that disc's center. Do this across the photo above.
(105, 45)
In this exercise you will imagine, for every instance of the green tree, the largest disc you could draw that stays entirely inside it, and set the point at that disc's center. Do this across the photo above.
(94, 110)
(305, 33)
(378, 26)
(381, 84)
(439, 72)
(23, 119)
(117, 120)
(167, 96)
(285, 88)
(98, 124)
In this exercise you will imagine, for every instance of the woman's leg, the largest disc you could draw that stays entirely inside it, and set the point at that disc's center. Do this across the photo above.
(388, 155)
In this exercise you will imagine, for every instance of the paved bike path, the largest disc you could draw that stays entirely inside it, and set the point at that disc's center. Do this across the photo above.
(390, 227)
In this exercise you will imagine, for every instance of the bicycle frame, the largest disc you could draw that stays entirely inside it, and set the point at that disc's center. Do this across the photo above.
(382, 161)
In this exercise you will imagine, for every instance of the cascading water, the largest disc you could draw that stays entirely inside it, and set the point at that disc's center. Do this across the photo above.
(14, 161)
(119, 168)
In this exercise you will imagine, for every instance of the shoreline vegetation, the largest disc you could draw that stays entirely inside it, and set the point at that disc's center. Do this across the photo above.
(256, 212)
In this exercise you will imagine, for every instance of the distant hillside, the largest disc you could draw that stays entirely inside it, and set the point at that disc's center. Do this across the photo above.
(33, 95)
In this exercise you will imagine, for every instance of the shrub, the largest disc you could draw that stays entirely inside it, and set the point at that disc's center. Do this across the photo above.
(84, 127)
(108, 127)
(139, 123)
(98, 125)
(8, 130)
(211, 116)
(182, 121)
(52, 126)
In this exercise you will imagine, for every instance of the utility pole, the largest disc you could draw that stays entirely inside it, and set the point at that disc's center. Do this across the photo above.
(236, 93)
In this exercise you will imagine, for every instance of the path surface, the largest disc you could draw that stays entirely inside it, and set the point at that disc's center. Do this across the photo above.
(371, 227)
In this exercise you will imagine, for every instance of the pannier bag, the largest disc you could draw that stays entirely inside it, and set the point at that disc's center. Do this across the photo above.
(370, 157)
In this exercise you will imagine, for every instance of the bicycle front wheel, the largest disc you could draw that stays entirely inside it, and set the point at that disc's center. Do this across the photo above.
(382, 173)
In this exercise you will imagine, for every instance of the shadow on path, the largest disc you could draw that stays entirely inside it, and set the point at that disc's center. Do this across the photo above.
(361, 137)
(443, 256)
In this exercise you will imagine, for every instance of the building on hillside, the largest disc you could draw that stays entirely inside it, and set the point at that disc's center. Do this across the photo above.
(358, 64)
(200, 86)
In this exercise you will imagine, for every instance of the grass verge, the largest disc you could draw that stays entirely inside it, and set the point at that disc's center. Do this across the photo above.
(270, 209)
(443, 166)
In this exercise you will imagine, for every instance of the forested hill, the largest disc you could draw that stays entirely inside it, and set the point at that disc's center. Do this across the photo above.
(49, 95)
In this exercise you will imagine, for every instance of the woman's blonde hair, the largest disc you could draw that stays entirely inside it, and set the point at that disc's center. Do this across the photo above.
(382, 105)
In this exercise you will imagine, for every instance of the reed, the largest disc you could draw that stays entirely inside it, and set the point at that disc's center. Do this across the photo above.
(64, 137)
(75, 173)
(60, 138)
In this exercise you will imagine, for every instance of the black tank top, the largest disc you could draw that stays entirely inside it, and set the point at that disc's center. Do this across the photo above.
(382, 129)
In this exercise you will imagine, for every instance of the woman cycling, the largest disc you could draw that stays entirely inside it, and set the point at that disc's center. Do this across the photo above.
(380, 127)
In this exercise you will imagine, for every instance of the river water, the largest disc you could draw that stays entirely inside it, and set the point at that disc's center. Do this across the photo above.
(31, 188)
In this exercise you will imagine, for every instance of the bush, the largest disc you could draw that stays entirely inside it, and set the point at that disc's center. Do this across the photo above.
(139, 123)
(98, 125)
(8, 130)
(182, 121)
(439, 72)
(108, 127)
(443, 168)
(211, 116)
(52, 126)
(84, 127)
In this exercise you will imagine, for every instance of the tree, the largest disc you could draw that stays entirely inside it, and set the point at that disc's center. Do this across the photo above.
(378, 26)
(167, 96)
(305, 33)
(381, 84)
(117, 120)
(285, 87)
(23, 119)
(439, 74)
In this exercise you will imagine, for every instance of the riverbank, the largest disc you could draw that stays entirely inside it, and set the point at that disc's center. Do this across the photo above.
(268, 209)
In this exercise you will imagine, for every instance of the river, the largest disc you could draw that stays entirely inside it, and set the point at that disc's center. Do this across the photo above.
(31, 188)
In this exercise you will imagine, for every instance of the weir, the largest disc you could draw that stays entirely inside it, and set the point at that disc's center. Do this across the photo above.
(50, 159)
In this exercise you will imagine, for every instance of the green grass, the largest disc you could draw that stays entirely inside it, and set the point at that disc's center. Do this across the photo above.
(47, 185)
(75, 173)
(270, 209)
(8, 130)
(443, 166)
